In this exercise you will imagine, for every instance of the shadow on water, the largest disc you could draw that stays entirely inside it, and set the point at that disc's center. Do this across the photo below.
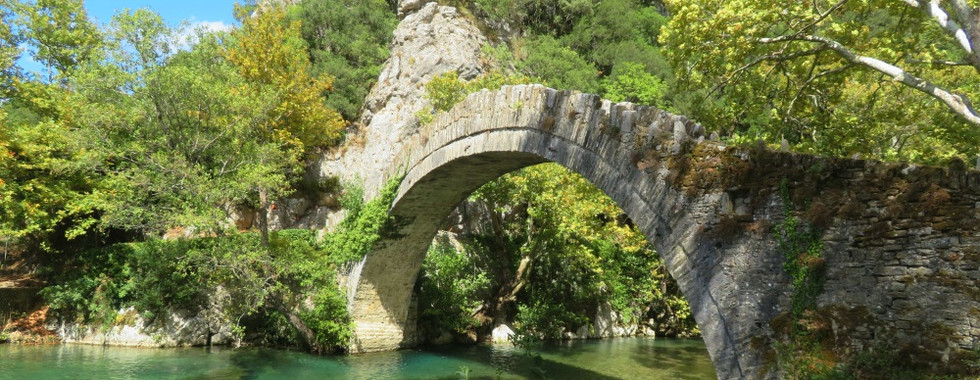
(630, 358)
(508, 362)
(636, 357)
(683, 358)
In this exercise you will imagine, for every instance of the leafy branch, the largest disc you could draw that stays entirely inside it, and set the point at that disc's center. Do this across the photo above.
(964, 36)
(959, 104)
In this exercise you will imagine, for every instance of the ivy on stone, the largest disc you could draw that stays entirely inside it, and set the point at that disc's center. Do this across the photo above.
(801, 246)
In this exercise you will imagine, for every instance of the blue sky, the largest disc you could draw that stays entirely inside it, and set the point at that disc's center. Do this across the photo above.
(172, 11)
(215, 14)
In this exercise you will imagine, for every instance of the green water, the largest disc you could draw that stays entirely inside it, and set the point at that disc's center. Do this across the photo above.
(628, 358)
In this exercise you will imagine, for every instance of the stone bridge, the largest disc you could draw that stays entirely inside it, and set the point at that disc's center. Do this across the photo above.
(902, 243)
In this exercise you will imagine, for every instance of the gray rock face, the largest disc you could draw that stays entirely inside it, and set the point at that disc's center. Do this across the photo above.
(608, 323)
(406, 7)
(168, 330)
(429, 41)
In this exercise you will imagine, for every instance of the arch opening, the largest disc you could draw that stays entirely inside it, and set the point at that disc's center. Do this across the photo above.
(543, 251)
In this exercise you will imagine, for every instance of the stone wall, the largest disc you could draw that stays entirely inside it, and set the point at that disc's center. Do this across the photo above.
(900, 240)
(900, 257)
(902, 250)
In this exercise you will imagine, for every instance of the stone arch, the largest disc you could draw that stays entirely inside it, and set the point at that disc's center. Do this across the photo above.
(901, 242)
(891, 233)
(492, 133)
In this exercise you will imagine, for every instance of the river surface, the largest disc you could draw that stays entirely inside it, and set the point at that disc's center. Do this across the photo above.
(626, 358)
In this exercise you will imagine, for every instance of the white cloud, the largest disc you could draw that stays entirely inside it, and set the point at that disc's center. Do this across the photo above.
(211, 26)
(188, 34)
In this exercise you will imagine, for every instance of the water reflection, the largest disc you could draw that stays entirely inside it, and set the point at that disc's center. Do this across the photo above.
(611, 359)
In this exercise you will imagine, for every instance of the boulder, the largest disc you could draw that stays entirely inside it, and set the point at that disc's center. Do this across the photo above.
(501, 333)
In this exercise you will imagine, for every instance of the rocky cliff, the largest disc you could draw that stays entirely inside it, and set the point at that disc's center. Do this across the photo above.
(430, 40)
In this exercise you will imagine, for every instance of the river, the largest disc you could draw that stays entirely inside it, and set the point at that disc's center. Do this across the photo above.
(624, 358)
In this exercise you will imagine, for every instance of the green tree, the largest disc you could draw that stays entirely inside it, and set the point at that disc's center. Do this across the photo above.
(348, 40)
(172, 136)
(61, 34)
(41, 181)
(630, 82)
(552, 248)
(583, 45)
(134, 135)
(43, 177)
(545, 58)
(619, 31)
(8, 49)
(270, 54)
(256, 281)
(536, 17)
(451, 286)
(826, 76)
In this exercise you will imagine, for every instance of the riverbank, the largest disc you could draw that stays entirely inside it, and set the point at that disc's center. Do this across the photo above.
(23, 317)
(183, 329)
(29, 329)
(35, 325)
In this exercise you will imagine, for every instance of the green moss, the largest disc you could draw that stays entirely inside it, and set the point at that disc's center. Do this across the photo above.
(805, 338)
(364, 224)
(447, 89)
(817, 346)
(802, 249)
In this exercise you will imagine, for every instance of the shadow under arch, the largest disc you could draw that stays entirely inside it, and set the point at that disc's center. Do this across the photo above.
(487, 136)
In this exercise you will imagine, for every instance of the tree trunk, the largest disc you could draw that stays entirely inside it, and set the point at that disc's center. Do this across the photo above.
(305, 332)
(494, 311)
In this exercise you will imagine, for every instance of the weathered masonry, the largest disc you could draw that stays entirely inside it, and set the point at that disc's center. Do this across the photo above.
(901, 242)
